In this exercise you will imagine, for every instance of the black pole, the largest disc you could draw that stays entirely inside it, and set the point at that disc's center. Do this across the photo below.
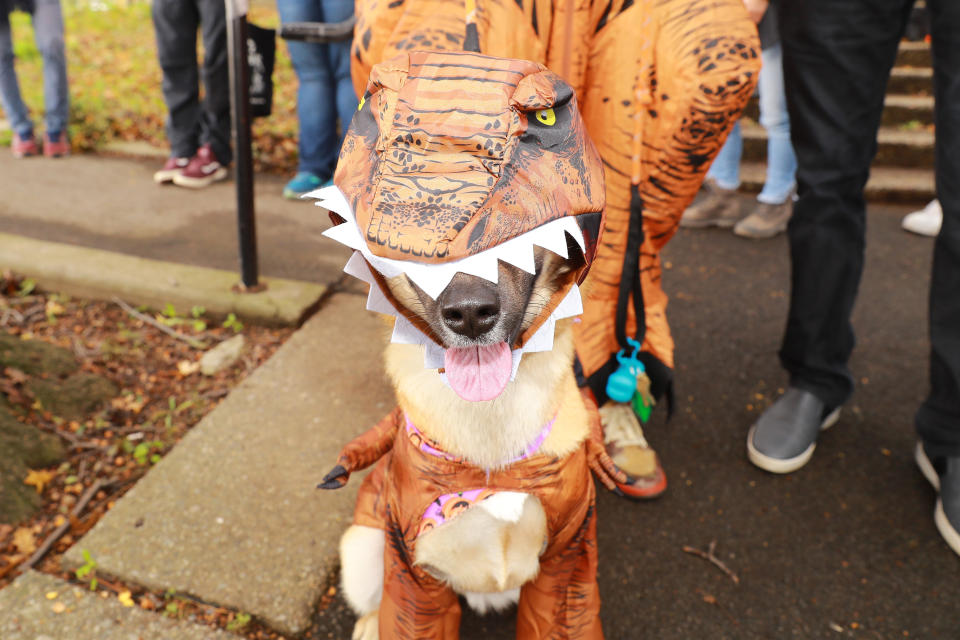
(242, 141)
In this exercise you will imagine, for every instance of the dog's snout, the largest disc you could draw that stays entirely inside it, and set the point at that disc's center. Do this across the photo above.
(470, 309)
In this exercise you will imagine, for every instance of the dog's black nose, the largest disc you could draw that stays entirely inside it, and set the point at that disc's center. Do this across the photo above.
(469, 307)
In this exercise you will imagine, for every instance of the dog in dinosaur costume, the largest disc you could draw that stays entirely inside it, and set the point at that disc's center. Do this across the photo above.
(660, 83)
(473, 200)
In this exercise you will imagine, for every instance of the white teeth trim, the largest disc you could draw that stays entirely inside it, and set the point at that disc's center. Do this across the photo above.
(542, 338)
(358, 268)
(404, 332)
(434, 278)
(433, 355)
(571, 305)
(376, 301)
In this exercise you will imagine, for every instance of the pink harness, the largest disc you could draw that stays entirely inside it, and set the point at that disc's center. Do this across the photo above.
(450, 505)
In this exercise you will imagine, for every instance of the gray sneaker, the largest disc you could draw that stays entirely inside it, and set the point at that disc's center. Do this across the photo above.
(784, 437)
(944, 474)
(766, 220)
(719, 207)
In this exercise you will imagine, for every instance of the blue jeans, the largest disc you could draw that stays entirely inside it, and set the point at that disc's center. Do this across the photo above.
(326, 91)
(48, 34)
(781, 161)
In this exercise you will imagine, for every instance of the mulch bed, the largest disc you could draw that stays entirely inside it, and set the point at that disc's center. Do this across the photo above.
(162, 395)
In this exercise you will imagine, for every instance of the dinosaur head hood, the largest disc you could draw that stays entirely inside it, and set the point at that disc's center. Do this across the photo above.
(456, 161)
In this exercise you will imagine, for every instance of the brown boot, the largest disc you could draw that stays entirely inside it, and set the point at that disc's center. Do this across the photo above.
(766, 220)
(719, 207)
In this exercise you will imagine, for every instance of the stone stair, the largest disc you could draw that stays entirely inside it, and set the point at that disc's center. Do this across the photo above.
(903, 166)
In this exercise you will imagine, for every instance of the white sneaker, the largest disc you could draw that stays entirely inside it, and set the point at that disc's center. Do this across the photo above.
(925, 222)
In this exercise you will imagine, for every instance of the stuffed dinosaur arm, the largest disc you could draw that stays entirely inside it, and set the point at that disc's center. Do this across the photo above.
(364, 450)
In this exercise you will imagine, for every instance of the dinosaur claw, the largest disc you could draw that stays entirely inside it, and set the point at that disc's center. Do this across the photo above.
(336, 479)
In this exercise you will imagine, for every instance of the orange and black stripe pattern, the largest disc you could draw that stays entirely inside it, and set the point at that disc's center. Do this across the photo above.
(450, 154)
(660, 83)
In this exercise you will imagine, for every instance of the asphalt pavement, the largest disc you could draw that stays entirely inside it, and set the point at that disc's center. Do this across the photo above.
(846, 547)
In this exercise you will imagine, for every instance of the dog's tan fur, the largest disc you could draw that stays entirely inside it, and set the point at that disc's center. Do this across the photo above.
(482, 551)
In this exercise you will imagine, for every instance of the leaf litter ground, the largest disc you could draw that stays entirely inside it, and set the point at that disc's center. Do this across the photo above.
(161, 396)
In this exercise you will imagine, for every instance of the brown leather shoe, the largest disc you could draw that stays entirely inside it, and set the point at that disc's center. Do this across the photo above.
(766, 220)
(718, 207)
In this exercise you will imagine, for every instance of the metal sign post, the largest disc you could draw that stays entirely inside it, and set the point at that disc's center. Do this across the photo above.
(242, 140)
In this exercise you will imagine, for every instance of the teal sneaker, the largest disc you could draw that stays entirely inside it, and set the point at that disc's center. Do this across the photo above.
(303, 182)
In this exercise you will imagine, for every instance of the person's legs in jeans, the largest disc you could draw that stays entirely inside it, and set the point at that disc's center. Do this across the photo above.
(781, 161)
(215, 110)
(175, 23)
(837, 55)
(938, 420)
(719, 206)
(725, 170)
(13, 105)
(48, 32)
(315, 95)
(338, 56)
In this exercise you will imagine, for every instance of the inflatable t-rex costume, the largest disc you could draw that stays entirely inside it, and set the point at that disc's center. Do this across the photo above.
(660, 83)
(454, 160)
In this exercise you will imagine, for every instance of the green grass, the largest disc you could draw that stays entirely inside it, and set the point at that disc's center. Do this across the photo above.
(115, 80)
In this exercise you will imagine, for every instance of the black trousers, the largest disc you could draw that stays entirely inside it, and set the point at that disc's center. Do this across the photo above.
(192, 123)
(837, 56)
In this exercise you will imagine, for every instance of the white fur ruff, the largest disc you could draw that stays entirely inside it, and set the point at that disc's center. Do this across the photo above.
(484, 602)
(361, 567)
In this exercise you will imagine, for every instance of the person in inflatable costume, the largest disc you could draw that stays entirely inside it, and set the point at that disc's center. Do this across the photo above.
(431, 192)
(660, 83)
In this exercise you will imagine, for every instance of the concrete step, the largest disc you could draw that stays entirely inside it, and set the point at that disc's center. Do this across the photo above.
(898, 110)
(911, 81)
(896, 148)
(913, 54)
(40, 607)
(232, 514)
(886, 184)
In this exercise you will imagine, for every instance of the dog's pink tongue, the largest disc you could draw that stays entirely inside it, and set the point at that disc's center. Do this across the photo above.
(478, 373)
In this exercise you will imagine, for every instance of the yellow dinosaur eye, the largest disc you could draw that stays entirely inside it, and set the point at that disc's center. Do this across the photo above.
(547, 117)
(362, 100)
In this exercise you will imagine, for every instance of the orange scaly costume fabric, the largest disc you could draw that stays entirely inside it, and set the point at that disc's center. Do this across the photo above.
(450, 154)
(660, 83)
(562, 602)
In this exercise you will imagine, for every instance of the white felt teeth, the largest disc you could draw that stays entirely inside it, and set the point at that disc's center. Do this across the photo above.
(404, 331)
(434, 278)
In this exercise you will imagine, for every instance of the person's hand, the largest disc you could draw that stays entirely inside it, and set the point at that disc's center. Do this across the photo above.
(756, 8)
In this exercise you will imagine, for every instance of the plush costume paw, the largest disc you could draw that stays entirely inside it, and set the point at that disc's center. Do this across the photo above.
(631, 453)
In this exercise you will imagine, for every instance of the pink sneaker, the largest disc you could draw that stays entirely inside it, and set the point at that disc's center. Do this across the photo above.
(24, 147)
(203, 170)
(170, 170)
(56, 148)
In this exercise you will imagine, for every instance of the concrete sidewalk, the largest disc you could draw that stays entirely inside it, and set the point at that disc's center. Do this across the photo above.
(844, 548)
(112, 204)
(166, 244)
